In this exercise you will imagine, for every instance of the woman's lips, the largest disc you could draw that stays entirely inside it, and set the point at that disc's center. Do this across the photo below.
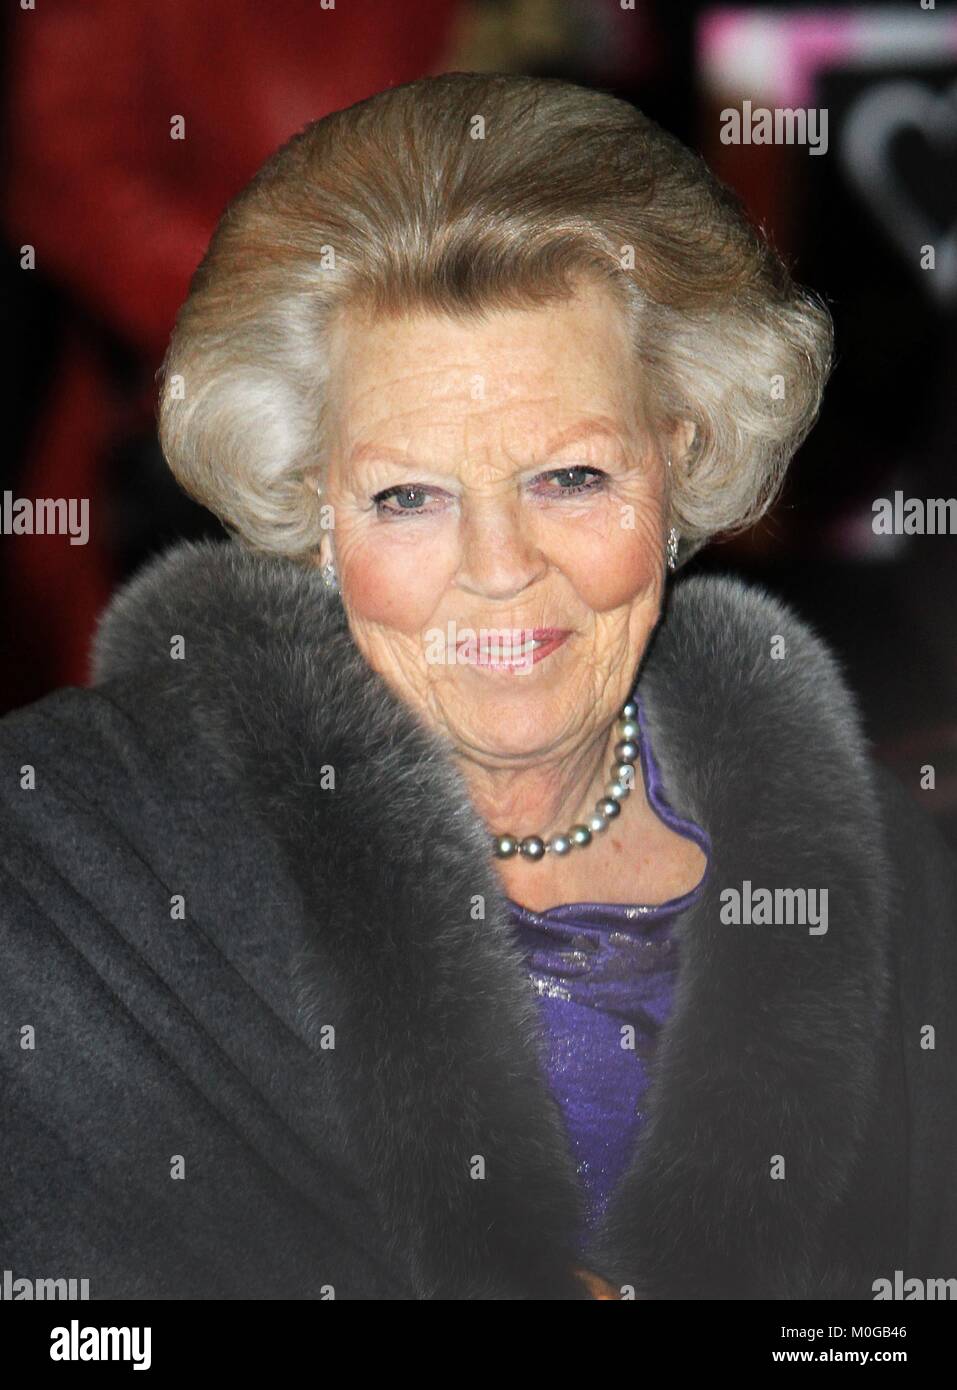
(515, 649)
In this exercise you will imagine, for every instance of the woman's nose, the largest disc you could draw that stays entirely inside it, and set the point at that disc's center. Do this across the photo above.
(499, 557)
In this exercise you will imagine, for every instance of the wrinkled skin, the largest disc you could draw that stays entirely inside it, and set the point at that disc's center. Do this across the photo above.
(479, 417)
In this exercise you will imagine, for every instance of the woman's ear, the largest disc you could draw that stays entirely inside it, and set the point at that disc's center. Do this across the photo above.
(682, 439)
(324, 556)
(313, 498)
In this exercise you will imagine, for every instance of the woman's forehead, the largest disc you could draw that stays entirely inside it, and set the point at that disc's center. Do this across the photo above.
(446, 440)
(393, 383)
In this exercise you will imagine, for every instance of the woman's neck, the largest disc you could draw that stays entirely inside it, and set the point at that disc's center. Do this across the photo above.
(547, 800)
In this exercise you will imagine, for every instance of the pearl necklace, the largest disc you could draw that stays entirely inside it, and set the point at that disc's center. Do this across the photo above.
(534, 847)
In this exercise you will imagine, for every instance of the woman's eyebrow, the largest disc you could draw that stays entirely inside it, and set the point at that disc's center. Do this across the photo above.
(583, 429)
(572, 434)
(364, 453)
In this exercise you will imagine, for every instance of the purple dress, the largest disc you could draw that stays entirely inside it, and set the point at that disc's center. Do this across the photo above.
(605, 975)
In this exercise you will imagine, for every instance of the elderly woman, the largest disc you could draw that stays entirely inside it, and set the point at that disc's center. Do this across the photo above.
(429, 899)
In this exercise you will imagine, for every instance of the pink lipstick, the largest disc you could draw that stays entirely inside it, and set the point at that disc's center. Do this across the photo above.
(510, 649)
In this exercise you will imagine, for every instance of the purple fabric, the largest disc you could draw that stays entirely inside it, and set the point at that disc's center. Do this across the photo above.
(595, 968)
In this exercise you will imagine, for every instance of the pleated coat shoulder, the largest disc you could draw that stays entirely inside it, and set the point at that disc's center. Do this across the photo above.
(256, 1038)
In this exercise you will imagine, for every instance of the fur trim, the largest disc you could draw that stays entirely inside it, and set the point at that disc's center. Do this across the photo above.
(769, 1050)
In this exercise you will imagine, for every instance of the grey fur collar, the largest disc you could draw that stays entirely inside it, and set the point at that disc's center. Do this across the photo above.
(769, 1049)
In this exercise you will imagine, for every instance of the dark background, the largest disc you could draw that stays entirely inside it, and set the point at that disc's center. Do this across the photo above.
(119, 216)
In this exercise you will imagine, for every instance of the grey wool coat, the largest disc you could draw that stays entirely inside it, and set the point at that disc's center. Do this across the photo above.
(254, 1039)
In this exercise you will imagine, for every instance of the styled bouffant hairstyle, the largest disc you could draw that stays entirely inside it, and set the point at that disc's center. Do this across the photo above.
(467, 192)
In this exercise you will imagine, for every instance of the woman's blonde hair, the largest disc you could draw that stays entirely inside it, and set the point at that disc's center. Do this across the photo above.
(467, 192)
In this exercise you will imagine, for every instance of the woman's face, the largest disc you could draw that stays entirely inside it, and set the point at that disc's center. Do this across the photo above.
(491, 480)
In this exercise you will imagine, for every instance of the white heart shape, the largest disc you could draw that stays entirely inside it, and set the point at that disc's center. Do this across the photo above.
(873, 121)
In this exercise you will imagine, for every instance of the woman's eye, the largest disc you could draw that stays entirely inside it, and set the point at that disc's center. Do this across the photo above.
(573, 480)
(405, 499)
(412, 499)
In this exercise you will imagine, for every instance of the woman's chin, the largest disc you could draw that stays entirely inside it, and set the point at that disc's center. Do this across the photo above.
(501, 731)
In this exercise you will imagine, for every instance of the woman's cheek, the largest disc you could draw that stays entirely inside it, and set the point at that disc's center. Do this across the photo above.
(612, 565)
(395, 581)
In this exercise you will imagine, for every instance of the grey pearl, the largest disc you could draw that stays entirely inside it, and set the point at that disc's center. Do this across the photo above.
(505, 846)
(630, 730)
(617, 791)
(626, 751)
(559, 844)
(608, 807)
(580, 835)
(597, 823)
(532, 847)
(630, 711)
